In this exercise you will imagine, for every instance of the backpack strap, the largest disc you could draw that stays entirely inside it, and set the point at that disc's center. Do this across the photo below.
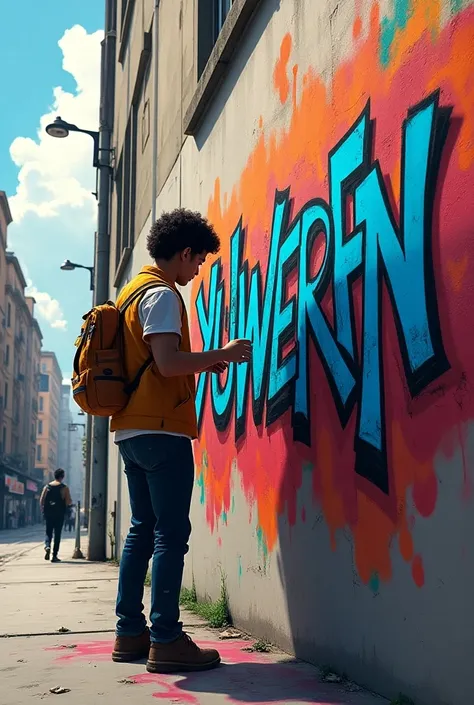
(146, 287)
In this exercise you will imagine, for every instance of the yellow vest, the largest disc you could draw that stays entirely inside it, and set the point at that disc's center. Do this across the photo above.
(159, 403)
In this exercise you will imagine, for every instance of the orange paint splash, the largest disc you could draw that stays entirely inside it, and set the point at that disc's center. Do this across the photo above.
(357, 28)
(280, 74)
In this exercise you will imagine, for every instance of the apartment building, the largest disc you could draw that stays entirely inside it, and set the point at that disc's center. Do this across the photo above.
(20, 349)
(5, 220)
(49, 404)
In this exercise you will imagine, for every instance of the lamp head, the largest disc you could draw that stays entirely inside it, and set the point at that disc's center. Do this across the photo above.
(58, 128)
(68, 266)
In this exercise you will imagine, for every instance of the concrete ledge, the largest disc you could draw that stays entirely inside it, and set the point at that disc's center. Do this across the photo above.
(125, 30)
(217, 65)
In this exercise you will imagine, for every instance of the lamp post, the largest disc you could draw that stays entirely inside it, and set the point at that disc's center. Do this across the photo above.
(101, 159)
(77, 555)
(69, 266)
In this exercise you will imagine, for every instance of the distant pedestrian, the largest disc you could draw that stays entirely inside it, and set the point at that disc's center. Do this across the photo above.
(55, 500)
(70, 519)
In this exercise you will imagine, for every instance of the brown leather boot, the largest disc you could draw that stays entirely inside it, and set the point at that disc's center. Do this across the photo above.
(181, 655)
(131, 648)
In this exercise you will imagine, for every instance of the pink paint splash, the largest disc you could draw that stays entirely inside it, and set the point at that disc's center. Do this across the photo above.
(95, 650)
(169, 690)
(242, 678)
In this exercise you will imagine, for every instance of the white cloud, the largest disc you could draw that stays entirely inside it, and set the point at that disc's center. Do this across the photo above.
(54, 211)
(57, 172)
(47, 308)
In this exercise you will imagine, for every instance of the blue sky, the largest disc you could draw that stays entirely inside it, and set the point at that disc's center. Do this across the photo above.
(50, 57)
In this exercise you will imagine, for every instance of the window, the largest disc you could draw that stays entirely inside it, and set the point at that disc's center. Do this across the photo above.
(4, 440)
(125, 186)
(41, 404)
(7, 356)
(221, 10)
(5, 396)
(9, 315)
(44, 383)
(211, 17)
(43, 367)
(40, 428)
(39, 454)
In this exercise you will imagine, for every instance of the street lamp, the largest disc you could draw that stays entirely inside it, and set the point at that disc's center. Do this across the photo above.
(69, 266)
(60, 128)
(73, 426)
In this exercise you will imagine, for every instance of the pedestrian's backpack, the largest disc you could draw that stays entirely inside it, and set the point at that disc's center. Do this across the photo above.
(54, 503)
(99, 384)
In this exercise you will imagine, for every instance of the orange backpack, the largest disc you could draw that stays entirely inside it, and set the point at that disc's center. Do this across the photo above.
(99, 383)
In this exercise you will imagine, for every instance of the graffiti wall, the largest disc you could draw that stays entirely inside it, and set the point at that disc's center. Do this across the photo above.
(347, 259)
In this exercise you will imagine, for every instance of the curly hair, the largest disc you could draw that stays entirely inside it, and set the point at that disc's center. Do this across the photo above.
(175, 231)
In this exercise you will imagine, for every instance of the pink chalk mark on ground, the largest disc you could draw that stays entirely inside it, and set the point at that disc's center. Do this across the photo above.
(249, 675)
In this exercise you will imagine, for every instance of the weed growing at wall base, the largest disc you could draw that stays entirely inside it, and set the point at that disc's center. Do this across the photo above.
(215, 613)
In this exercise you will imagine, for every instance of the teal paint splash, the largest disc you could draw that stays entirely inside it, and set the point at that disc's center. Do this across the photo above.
(390, 25)
(374, 582)
(240, 569)
(200, 484)
(262, 543)
(456, 6)
(232, 506)
(224, 517)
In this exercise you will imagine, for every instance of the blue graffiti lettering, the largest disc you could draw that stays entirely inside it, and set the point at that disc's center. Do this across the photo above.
(374, 248)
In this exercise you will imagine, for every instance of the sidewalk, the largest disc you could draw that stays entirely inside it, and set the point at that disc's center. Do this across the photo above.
(39, 600)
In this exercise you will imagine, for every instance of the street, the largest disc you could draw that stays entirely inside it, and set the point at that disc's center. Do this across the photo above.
(57, 631)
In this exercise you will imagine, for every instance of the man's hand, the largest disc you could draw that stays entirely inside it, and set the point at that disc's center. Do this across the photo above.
(237, 351)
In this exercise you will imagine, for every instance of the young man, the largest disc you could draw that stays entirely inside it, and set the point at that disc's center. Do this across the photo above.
(154, 434)
(54, 502)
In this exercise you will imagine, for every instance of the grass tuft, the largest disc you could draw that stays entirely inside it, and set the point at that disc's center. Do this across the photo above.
(215, 613)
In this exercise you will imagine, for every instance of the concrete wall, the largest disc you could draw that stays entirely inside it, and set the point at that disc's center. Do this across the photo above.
(334, 487)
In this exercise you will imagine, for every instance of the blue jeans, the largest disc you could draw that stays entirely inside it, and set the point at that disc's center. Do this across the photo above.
(54, 524)
(160, 474)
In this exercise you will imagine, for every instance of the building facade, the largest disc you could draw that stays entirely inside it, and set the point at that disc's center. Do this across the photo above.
(331, 145)
(20, 349)
(49, 402)
(70, 456)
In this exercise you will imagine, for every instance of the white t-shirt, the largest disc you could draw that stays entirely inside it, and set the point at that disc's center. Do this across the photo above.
(159, 312)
